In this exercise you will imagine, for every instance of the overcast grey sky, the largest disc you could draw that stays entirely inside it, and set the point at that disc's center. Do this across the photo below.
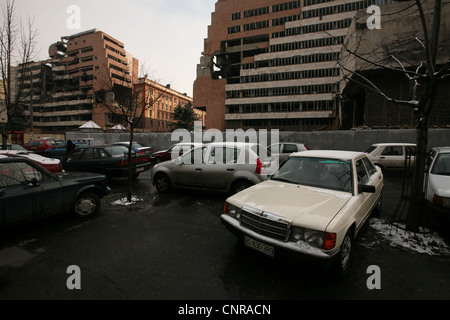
(166, 35)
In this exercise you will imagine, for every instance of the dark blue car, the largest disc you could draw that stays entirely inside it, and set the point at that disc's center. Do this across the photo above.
(60, 150)
(28, 191)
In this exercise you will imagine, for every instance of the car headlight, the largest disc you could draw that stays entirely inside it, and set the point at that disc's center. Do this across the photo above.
(297, 234)
(441, 201)
(314, 238)
(317, 239)
(232, 210)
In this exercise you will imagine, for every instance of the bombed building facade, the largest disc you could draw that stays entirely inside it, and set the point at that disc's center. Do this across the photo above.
(60, 92)
(277, 64)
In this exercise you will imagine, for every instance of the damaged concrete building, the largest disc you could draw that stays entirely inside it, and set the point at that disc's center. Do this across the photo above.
(275, 64)
(373, 61)
(59, 91)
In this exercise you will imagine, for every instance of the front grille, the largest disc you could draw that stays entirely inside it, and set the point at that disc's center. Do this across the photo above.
(265, 224)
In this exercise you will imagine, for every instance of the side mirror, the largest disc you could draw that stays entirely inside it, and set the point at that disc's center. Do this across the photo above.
(364, 188)
(32, 183)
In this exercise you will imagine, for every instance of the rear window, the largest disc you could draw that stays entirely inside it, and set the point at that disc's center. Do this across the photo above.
(35, 143)
(262, 152)
(370, 149)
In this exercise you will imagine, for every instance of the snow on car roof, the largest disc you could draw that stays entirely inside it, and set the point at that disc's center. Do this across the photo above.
(232, 144)
(333, 154)
(29, 155)
(394, 144)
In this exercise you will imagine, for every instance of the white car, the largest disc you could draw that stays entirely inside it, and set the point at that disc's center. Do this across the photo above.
(284, 149)
(227, 167)
(437, 185)
(392, 155)
(314, 206)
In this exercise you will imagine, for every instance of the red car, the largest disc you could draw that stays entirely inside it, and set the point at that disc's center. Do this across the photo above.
(52, 165)
(40, 145)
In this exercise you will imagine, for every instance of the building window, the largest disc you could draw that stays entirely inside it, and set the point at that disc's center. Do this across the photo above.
(234, 29)
(236, 16)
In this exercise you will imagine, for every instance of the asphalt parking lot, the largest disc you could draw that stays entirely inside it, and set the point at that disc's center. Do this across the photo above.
(174, 247)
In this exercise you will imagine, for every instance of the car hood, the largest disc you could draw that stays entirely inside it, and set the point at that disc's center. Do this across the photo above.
(305, 206)
(440, 184)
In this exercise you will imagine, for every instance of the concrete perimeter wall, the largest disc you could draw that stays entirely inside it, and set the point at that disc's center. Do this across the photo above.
(358, 140)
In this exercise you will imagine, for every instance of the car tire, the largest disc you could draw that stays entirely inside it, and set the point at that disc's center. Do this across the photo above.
(162, 183)
(86, 205)
(240, 185)
(343, 258)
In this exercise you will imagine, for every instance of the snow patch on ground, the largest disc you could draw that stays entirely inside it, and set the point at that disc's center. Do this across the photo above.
(427, 243)
(124, 201)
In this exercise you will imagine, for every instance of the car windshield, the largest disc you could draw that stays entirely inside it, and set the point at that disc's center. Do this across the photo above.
(442, 165)
(317, 172)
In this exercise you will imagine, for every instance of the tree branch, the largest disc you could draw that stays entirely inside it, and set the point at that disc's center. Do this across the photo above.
(418, 75)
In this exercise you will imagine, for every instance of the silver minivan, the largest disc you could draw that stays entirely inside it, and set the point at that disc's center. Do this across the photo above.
(228, 167)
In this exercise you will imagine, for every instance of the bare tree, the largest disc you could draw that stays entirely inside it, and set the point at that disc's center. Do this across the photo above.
(17, 47)
(128, 103)
(417, 59)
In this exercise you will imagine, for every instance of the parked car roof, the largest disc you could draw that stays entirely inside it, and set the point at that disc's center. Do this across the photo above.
(52, 165)
(334, 154)
(393, 144)
(441, 149)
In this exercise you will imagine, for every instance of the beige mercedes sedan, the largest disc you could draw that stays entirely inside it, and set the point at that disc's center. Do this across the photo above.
(314, 206)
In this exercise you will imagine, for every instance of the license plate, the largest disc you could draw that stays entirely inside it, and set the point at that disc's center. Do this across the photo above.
(261, 247)
(140, 169)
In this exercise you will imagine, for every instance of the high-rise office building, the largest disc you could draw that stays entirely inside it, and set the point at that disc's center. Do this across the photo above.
(273, 64)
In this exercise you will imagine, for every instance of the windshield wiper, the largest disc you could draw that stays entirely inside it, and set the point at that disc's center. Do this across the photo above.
(283, 180)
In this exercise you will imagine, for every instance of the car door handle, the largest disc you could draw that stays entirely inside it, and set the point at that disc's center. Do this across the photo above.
(198, 169)
(230, 169)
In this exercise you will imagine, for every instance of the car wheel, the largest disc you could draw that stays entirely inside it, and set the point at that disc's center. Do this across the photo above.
(343, 258)
(162, 183)
(87, 205)
(239, 186)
